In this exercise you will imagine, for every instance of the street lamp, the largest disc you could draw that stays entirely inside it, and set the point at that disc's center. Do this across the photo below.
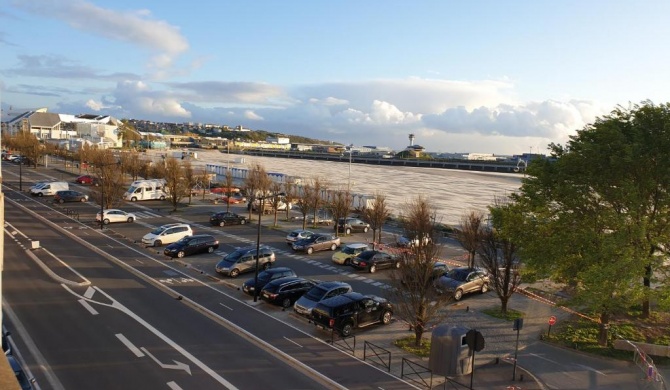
(258, 238)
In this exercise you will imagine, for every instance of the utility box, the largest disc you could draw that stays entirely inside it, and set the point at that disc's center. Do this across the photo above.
(34, 244)
(449, 351)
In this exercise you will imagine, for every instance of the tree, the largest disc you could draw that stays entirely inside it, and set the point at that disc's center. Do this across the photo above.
(291, 195)
(275, 201)
(28, 145)
(176, 184)
(596, 213)
(229, 188)
(105, 167)
(377, 215)
(305, 193)
(190, 178)
(131, 163)
(128, 134)
(257, 184)
(314, 198)
(470, 234)
(413, 294)
(498, 255)
(339, 206)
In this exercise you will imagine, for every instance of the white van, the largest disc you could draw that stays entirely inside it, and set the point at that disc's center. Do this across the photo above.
(49, 189)
(146, 190)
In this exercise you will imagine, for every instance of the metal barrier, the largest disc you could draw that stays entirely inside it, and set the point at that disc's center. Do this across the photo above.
(377, 353)
(416, 373)
(646, 364)
(343, 342)
(74, 214)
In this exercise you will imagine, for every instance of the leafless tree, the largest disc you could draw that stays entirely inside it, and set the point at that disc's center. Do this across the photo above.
(229, 188)
(413, 294)
(257, 184)
(303, 201)
(176, 184)
(315, 200)
(340, 205)
(131, 163)
(275, 201)
(470, 234)
(106, 168)
(291, 195)
(190, 177)
(377, 215)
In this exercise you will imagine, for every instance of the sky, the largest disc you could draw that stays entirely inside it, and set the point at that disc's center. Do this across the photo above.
(501, 77)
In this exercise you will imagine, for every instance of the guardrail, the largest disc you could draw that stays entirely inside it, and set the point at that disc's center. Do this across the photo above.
(416, 371)
(377, 352)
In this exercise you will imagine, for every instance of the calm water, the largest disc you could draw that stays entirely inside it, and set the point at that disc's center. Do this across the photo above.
(451, 192)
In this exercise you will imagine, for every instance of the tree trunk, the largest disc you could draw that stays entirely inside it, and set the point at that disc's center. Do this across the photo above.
(418, 333)
(471, 259)
(603, 329)
(503, 305)
(646, 310)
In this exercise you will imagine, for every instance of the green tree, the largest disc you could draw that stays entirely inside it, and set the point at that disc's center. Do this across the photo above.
(597, 213)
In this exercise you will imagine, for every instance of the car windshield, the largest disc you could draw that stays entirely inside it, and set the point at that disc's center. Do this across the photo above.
(264, 276)
(349, 250)
(457, 274)
(316, 293)
(158, 230)
(184, 240)
(233, 257)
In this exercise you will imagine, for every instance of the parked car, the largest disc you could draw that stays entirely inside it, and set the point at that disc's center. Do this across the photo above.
(191, 245)
(372, 260)
(115, 215)
(317, 242)
(285, 291)
(250, 286)
(223, 218)
(87, 179)
(348, 252)
(244, 260)
(352, 225)
(462, 280)
(297, 235)
(352, 310)
(70, 196)
(439, 268)
(406, 242)
(318, 293)
(234, 198)
(22, 160)
(167, 234)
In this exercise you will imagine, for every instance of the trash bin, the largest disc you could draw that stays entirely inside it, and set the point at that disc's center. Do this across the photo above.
(449, 351)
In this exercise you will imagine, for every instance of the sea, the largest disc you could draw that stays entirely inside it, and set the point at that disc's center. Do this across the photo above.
(451, 193)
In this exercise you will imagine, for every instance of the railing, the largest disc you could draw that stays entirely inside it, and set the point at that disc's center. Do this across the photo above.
(343, 342)
(377, 353)
(416, 371)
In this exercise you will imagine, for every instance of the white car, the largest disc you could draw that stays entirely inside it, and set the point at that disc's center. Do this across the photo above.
(115, 215)
(297, 235)
(167, 234)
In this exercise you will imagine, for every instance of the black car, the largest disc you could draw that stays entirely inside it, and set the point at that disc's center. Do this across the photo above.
(352, 225)
(346, 312)
(285, 291)
(372, 260)
(250, 286)
(190, 245)
(439, 268)
(70, 196)
(223, 218)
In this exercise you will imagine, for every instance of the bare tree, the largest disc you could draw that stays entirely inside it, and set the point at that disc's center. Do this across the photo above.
(107, 169)
(315, 200)
(229, 188)
(377, 215)
(257, 184)
(303, 201)
(470, 234)
(190, 178)
(339, 206)
(275, 201)
(291, 195)
(176, 185)
(415, 299)
(131, 164)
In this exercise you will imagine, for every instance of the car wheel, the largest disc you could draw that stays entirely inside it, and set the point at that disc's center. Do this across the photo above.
(365, 230)
(61, 201)
(243, 221)
(82, 200)
(333, 247)
(310, 250)
(133, 199)
(265, 266)
(158, 243)
(40, 194)
(458, 294)
(130, 219)
(386, 318)
(286, 303)
(162, 197)
(485, 288)
(180, 254)
(222, 224)
(346, 330)
(347, 262)
(397, 265)
(210, 249)
(347, 231)
(234, 272)
(105, 221)
(372, 269)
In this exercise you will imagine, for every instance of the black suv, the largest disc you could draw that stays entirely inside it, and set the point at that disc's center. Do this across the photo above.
(352, 310)
(223, 218)
(286, 291)
(190, 245)
(250, 286)
(352, 225)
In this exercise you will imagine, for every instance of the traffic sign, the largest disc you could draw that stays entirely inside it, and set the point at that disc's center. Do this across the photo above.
(475, 340)
(552, 320)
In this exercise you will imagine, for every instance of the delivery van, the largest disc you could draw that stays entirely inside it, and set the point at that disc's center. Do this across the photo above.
(49, 189)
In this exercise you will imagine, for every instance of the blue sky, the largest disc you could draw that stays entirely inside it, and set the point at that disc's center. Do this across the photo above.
(463, 76)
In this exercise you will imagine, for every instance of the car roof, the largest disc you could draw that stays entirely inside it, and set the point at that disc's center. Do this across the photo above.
(345, 298)
(202, 236)
(286, 280)
(169, 225)
(328, 285)
(356, 245)
(277, 269)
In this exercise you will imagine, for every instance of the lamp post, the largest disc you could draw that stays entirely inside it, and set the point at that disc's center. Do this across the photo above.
(258, 238)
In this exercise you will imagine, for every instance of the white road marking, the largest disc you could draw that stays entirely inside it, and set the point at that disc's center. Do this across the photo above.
(88, 307)
(229, 308)
(89, 293)
(287, 339)
(173, 386)
(136, 351)
(176, 366)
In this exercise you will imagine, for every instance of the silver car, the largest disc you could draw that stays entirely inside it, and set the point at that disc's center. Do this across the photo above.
(462, 280)
(318, 293)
